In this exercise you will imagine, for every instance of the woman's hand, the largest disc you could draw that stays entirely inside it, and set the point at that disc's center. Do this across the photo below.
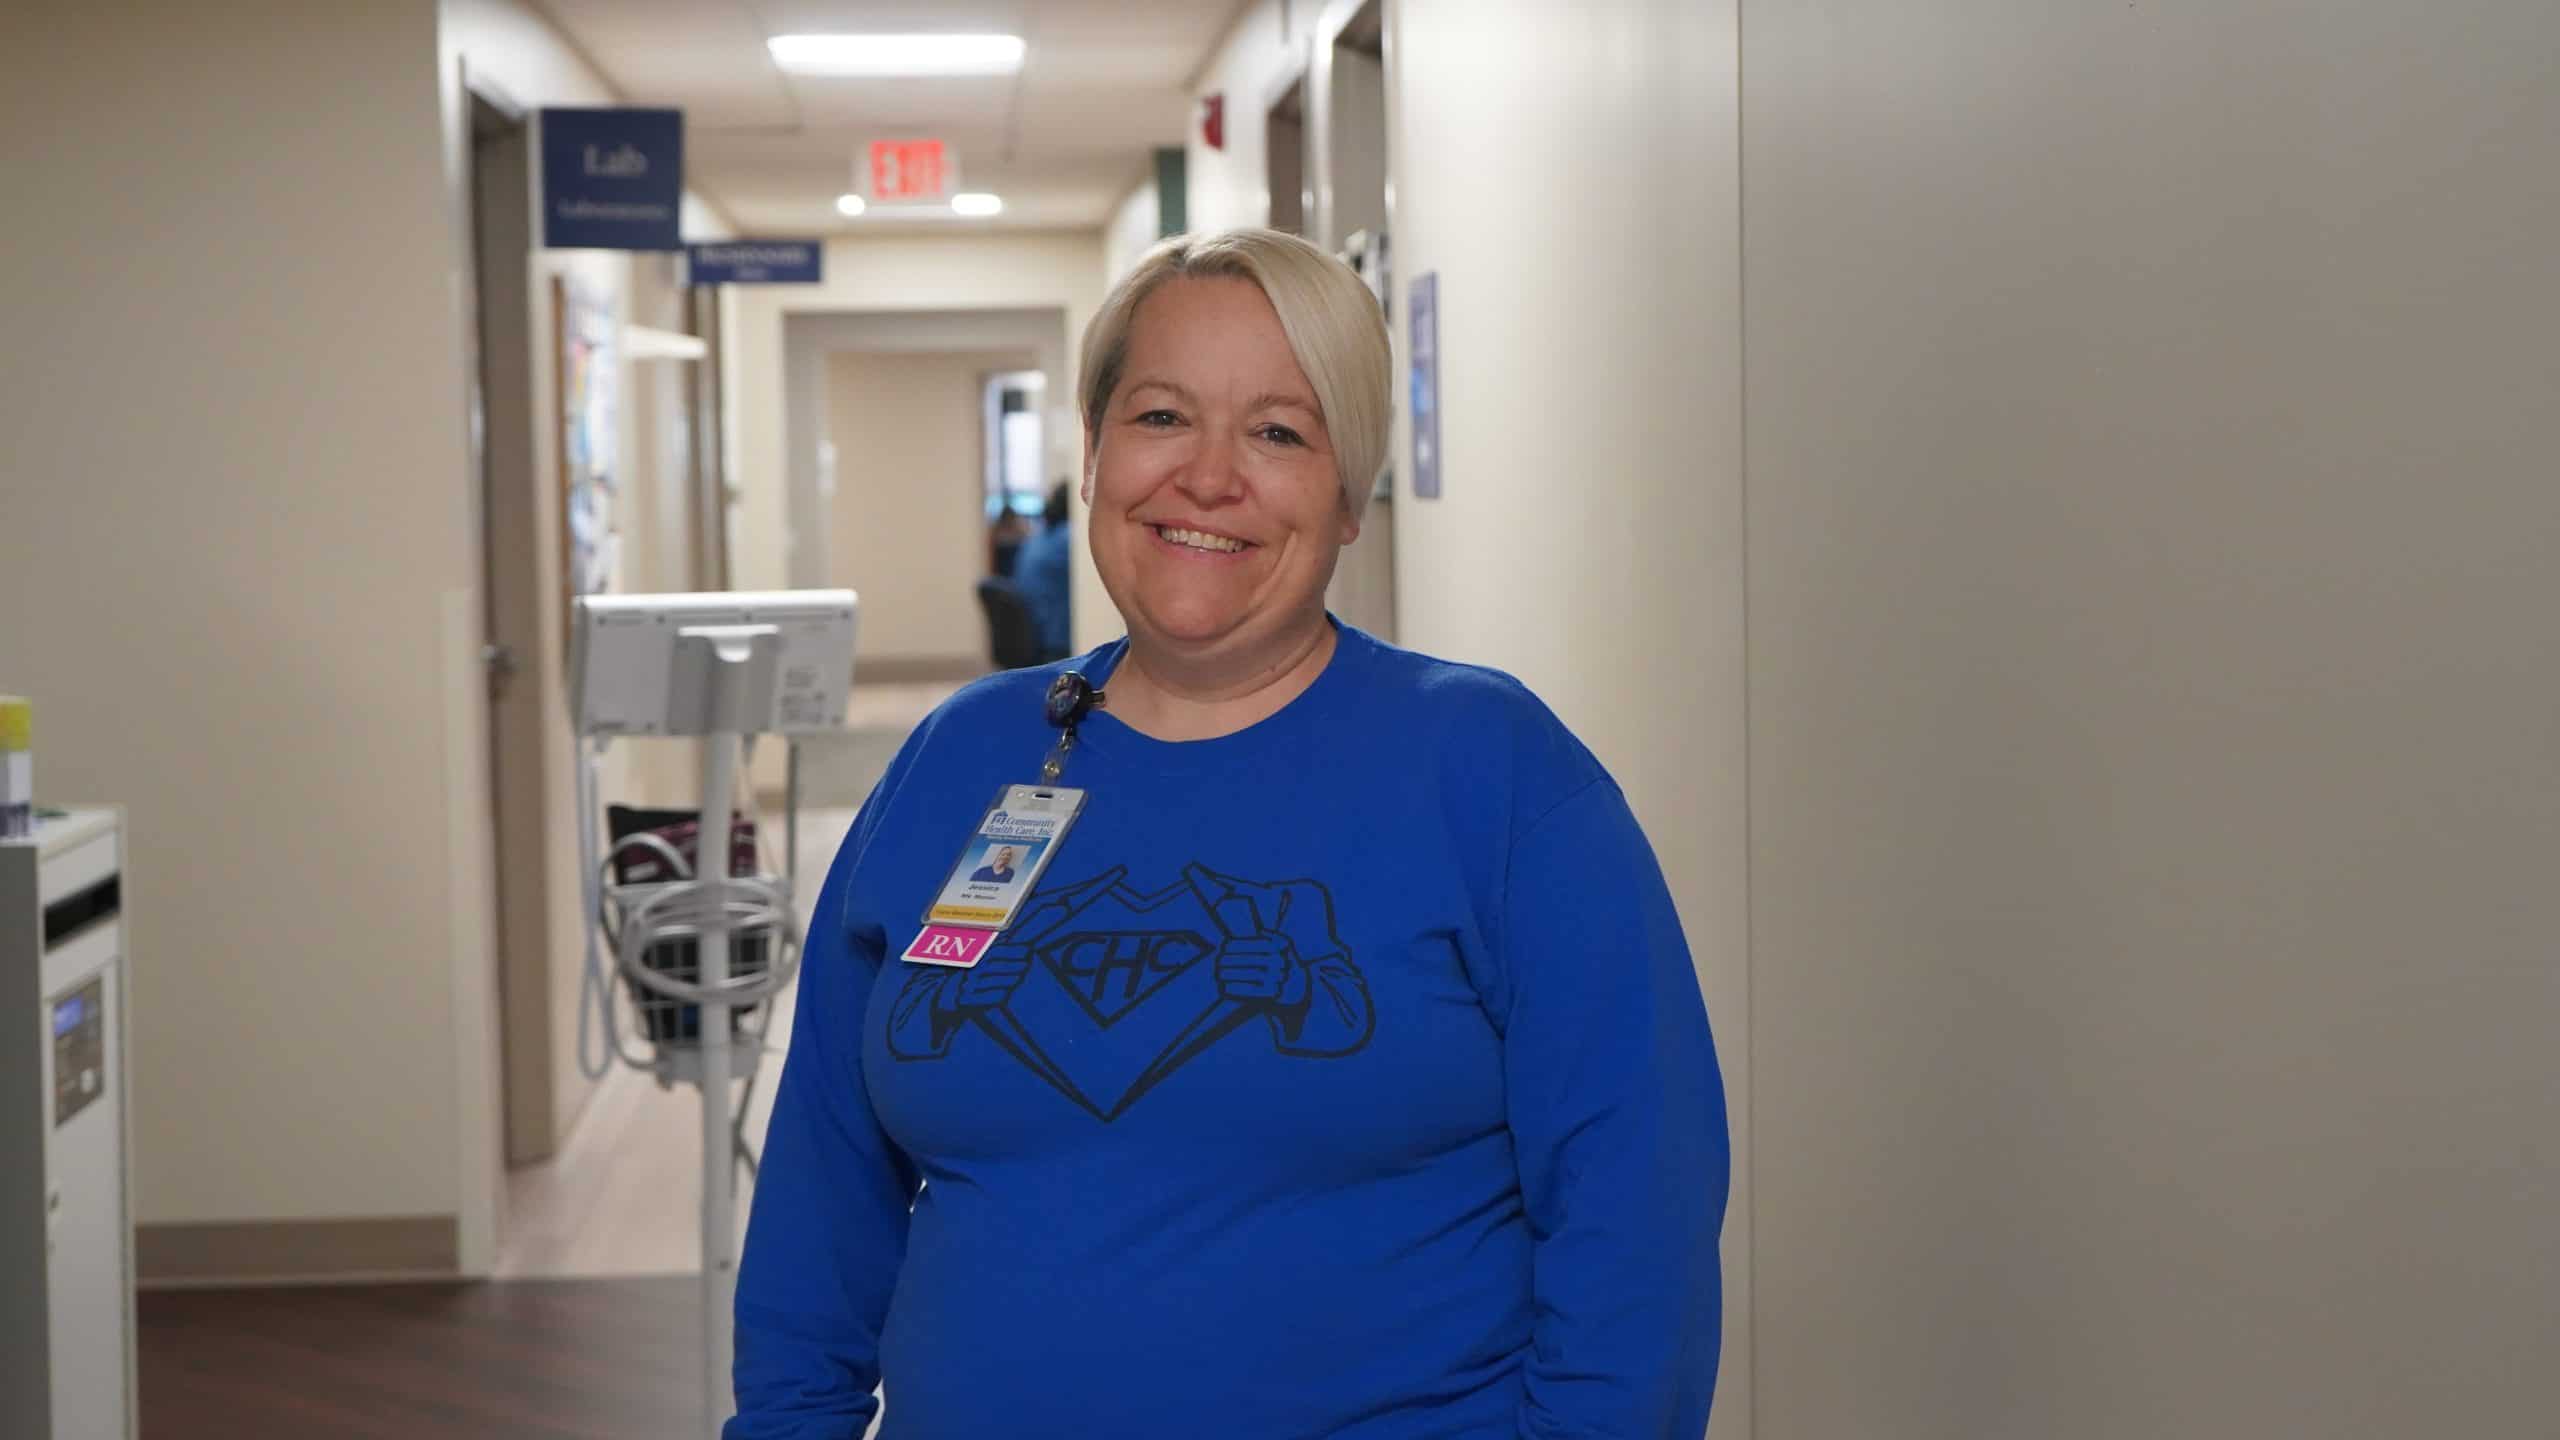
(991, 982)
(1262, 970)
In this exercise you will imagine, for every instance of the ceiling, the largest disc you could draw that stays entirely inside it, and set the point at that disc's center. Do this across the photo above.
(1104, 83)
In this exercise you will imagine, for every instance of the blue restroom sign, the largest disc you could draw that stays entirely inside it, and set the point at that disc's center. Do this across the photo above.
(612, 179)
(755, 262)
(1422, 306)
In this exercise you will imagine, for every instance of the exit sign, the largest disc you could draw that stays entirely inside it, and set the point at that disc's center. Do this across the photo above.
(909, 170)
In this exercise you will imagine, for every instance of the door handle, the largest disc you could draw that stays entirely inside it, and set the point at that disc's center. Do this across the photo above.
(501, 663)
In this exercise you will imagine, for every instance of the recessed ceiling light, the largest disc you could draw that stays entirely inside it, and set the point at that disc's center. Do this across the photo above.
(889, 55)
(849, 205)
(976, 202)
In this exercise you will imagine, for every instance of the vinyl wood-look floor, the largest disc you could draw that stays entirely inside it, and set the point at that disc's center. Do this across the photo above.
(523, 1360)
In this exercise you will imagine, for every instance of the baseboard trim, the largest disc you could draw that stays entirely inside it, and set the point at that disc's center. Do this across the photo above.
(919, 669)
(266, 1252)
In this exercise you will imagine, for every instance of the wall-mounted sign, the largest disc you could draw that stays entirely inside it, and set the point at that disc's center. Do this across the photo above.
(1173, 192)
(1423, 305)
(755, 262)
(612, 179)
(910, 170)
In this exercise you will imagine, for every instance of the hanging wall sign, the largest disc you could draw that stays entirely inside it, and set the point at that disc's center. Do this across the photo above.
(612, 179)
(755, 262)
(1423, 307)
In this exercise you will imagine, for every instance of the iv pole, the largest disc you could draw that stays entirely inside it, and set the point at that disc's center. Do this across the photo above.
(730, 654)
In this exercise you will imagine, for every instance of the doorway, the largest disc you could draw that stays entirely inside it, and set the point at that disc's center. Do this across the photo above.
(1347, 147)
(1284, 158)
(519, 775)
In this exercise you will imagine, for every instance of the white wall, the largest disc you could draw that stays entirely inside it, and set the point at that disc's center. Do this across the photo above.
(2152, 674)
(909, 512)
(236, 548)
(941, 271)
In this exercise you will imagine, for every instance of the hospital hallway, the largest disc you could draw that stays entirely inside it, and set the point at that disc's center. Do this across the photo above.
(1790, 719)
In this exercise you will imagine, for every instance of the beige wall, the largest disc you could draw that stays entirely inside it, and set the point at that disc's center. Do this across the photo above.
(657, 514)
(504, 46)
(2152, 671)
(256, 418)
(236, 552)
(909, 514)
(1130, 231)
(1227, 187)
(1589, 539)
(1270, 45)
(508, 48)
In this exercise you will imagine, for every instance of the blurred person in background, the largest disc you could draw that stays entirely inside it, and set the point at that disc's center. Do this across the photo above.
(1040, 568)
(1005, 535)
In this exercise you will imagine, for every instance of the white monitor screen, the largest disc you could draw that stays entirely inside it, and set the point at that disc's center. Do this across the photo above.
(628, 675)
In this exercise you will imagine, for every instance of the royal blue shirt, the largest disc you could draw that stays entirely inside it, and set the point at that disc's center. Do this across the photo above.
(1344, 1077)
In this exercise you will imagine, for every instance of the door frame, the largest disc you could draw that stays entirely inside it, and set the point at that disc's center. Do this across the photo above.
(504, 490)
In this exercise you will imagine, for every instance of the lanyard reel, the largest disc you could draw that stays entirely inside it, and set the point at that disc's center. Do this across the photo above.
(1009, 847)
(1071, 698)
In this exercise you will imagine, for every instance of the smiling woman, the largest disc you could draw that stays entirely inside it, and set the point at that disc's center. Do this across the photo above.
(1318, 1085)
(1235, 417)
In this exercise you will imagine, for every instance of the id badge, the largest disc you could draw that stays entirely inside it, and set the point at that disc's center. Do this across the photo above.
(996, 873)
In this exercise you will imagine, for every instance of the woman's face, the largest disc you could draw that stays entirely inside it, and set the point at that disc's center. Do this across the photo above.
(1217, 513)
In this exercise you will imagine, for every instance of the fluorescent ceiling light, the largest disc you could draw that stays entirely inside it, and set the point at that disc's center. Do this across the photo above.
(849, 205)
(874, 56)
(976, 202)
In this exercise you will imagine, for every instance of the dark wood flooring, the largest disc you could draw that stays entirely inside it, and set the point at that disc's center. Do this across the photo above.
(523, 1360)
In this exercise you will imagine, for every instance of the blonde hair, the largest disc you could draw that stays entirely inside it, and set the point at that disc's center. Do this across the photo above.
(1333, 322)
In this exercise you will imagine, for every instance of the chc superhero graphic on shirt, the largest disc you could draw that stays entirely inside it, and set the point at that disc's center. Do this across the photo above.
(1104, 991)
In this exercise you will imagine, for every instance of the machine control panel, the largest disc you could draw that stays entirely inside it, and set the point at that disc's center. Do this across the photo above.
(79, 1051)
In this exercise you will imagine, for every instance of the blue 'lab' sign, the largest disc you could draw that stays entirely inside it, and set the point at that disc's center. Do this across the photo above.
(1423, 306)
(754, 262)
(612, 179)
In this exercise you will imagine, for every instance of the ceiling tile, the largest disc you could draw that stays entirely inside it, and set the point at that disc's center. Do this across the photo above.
(1103, 84)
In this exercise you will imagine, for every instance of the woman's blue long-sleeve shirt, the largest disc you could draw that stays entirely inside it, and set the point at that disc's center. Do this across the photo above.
(1345, 1077)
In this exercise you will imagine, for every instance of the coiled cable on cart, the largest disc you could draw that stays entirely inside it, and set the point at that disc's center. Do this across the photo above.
(685, 909)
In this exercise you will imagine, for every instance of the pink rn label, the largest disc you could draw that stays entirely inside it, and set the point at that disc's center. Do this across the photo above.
(952, 945)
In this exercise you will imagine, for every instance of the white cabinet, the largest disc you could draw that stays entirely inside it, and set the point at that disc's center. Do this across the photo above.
(66, 1231)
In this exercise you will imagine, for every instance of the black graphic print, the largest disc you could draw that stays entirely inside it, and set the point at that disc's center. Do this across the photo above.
(1103, 991)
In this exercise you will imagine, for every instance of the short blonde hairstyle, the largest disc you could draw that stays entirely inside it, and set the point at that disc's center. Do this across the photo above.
(1333, 322)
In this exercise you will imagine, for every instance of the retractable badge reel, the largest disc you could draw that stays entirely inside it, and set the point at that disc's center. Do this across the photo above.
(1071, 698)
(1013, 843)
